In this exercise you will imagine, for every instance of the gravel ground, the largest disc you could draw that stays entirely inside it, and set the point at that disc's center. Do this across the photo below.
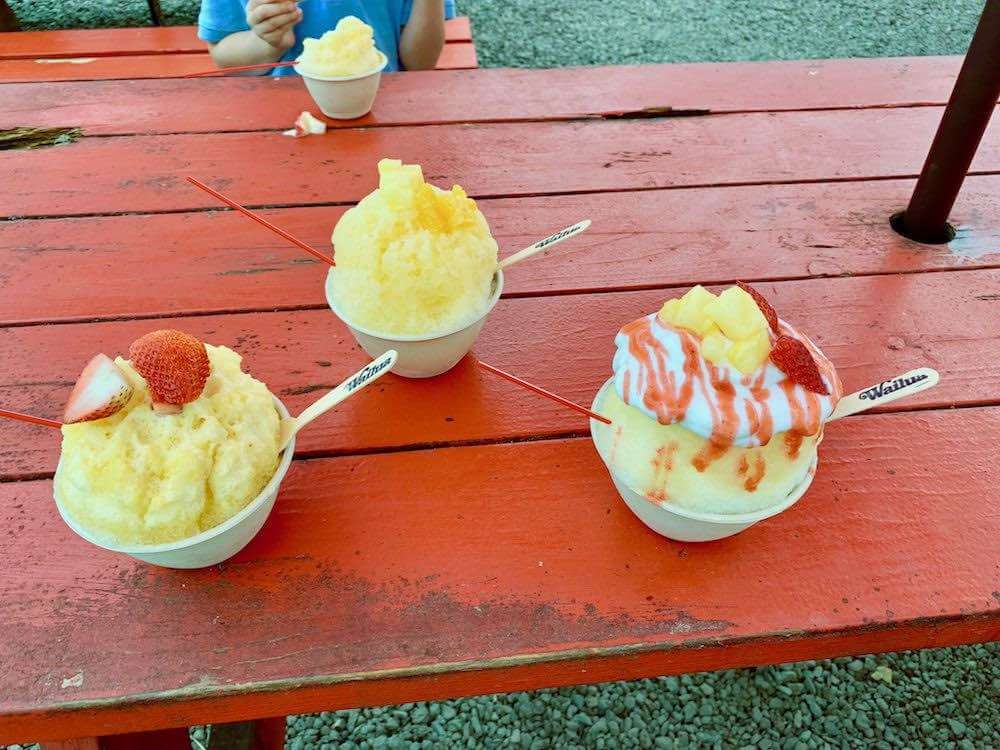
(946, 698)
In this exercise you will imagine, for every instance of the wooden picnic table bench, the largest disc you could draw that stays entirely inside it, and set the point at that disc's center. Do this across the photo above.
(151, 52)
(459, 536)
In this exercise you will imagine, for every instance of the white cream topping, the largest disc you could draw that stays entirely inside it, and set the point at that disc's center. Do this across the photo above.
(659, 370)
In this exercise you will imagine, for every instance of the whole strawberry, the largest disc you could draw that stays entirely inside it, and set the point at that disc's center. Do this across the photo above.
(175, 366)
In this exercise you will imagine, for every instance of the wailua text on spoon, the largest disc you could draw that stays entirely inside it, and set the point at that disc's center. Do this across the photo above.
(908, 384)
(367, 374)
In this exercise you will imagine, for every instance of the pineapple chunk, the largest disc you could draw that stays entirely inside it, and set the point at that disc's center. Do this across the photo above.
(715, 347)
(668, 310)
(732, 328)
(736, 313)
(748, 354)
(404, 191)
(691, 312)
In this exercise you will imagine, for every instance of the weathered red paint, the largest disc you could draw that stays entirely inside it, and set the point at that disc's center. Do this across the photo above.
(103, 68)
(146, 40)
(638, 240)
(871, 327)
(361, 569)
(931, 633)
(383, 575)
(111, 175)
(489, 95)
(455, 56)
(458, 56)
(149, 40)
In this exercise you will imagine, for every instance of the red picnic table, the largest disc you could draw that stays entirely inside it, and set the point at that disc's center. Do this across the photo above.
(460, 536)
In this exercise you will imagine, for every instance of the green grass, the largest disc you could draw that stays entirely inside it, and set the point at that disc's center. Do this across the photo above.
(945, 698)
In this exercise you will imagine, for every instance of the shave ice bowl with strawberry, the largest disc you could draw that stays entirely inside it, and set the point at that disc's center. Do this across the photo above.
(717, 409)
(172, 456)
(416, 271)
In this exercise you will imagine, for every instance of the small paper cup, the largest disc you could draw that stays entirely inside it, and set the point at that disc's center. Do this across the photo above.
(420, 356)
(681, 524)
(209, 547)
(345, 97)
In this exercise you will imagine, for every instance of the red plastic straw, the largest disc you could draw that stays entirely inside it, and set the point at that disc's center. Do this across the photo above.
(30, 419)
(262, 221)
(543, 392)
(241, 68)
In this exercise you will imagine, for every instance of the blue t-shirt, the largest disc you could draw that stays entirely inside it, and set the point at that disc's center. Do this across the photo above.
(220, 18)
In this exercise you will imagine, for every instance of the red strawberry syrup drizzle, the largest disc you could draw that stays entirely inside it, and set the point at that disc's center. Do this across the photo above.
(669, 400)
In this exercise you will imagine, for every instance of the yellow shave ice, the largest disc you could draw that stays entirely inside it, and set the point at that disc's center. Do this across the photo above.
(138, 477)
(347, 50)
(412, 259)
(667, 463)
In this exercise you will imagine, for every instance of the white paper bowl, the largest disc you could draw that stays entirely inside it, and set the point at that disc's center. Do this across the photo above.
(675, 522)
(209, 547)
(345, 97)
(420, 356)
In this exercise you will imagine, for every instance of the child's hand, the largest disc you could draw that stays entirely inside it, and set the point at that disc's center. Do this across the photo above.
(274, 21)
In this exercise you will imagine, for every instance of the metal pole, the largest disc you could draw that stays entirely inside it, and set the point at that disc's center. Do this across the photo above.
(962, 126)
(8, 21)
(156, 12)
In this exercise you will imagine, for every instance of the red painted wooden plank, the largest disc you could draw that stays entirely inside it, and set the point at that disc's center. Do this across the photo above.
(93, 68)
(870, 327)
(146, 40)
(363, 576)
(220, 104)
(644, 239)
(572, 670)
(458, 29)
(455, 56)
(134, 174)
(458, 56)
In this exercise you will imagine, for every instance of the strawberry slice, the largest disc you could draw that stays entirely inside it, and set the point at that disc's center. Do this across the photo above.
(763, 304)
(101, 390)
(793, 358)
(175, 366)
(306, 124)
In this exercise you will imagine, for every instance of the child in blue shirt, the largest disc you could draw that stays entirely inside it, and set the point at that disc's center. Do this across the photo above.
(244, 32)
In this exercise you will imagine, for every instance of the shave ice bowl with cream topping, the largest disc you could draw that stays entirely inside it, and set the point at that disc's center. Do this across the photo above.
(416, 271)
(717, 410)
(342, 69)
